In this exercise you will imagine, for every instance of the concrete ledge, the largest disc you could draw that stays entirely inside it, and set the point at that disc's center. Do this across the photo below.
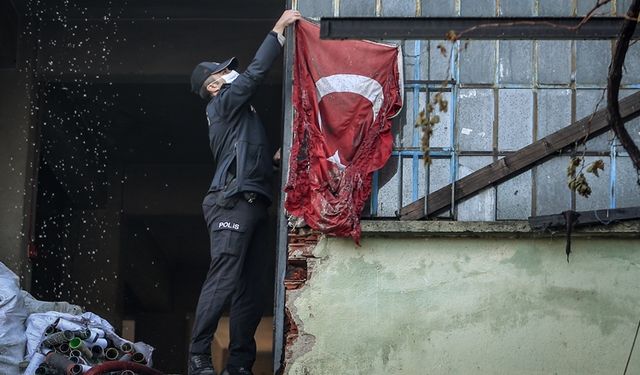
(384, 228)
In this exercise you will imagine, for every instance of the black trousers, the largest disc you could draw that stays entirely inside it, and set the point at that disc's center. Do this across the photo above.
(237, 274)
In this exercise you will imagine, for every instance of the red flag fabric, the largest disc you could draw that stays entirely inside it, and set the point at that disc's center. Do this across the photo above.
(344, 96)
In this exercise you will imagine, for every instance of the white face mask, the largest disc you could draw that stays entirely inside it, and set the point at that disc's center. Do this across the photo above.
(230, 77)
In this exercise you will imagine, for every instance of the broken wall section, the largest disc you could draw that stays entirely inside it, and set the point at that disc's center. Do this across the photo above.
(483, 304)
(300, 267)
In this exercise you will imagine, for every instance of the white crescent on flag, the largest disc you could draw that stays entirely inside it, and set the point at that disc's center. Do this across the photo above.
(367, 87)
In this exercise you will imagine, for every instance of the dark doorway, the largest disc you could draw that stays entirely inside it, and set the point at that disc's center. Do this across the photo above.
(124, 165)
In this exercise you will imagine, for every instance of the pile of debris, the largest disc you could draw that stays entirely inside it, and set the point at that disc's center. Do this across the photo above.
(57, 338)
(78, 344)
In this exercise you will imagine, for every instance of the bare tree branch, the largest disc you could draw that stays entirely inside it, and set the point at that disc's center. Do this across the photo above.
(590, 14)
(613, 84)
(599, 3)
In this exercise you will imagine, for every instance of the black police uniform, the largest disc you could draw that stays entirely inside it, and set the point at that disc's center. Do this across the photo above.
(235, 210)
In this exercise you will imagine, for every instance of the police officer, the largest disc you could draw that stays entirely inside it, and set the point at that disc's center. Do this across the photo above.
(235, 207)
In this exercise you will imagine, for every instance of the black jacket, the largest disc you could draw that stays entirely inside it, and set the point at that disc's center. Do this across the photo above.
(237, 138)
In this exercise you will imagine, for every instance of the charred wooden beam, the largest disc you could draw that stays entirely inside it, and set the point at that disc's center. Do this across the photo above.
(549, 28)
(519, 162)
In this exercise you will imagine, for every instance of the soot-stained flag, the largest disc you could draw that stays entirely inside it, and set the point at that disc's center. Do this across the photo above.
(344, 96)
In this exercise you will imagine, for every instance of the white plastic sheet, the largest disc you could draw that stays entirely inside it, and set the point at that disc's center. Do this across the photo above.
(12, 316)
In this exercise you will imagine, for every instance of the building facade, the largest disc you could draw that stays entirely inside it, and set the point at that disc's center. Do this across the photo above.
(473, 290)
(105, 161)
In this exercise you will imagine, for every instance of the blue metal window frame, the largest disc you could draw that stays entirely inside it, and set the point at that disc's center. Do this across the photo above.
(416, 84)
(413, 152)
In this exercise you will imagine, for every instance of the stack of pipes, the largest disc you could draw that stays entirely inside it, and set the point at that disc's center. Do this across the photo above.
(71, 349)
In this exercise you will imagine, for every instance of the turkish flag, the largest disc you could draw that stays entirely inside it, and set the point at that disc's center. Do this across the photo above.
(344, 96)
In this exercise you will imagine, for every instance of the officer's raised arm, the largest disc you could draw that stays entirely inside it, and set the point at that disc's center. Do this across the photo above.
(288, 17)
(245, 85)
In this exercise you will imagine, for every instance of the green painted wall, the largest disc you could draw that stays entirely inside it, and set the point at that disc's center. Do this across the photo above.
(468, 306)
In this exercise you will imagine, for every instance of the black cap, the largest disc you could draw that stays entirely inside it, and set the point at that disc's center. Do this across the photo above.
(203, 70)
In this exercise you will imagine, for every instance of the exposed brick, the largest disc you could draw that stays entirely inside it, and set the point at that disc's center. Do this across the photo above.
(300, 264)
(296, 271)
(290, 335)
